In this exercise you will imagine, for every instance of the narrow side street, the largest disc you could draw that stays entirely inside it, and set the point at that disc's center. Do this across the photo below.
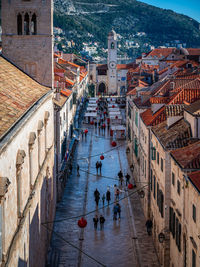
(121, 243)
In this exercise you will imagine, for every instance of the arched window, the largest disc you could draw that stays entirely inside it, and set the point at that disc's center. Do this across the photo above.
(19, 24)
(33, 25)
(112, 45)
(26, 24)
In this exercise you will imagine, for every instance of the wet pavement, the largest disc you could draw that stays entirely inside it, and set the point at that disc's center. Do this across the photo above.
(122, 243)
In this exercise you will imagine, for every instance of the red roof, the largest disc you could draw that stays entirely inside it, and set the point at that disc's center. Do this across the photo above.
(149, 118)
(188, 157)
(66, 92)
(193, 51)
(161, 52)
(195, 179)
(132, 92)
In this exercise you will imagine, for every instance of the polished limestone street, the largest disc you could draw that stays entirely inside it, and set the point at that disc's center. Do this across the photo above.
(122, 243)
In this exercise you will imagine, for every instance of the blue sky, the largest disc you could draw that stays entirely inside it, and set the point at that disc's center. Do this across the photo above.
(190, 8)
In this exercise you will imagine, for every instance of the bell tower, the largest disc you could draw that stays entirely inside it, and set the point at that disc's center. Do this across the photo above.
(112, 62)
(27, 37)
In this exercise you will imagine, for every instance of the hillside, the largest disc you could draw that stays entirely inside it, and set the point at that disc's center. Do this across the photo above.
(91, 20)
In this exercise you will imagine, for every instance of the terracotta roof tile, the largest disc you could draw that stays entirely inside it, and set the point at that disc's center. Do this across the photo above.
(18, 92)
(188, 157)
(194, 177)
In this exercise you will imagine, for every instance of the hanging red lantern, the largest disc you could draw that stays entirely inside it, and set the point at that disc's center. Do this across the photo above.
(108, 120)
(92, 123)
(102, 157)
(86, 131)
(96, 108)
(104, 113)
(130, 186)
(116, 117)
(113, 143)
(103, 125)
(113, 106)
(82, 223)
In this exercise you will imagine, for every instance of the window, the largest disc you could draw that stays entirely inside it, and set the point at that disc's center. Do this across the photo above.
(151, 185)
(19, 24)
(33, 25)
(154, 186)
(136, 147)
(158, 158)
(71, 104)
(153, 153)
(173, 178)
(193, 259)
(178, 187)
(161, 164)
(136, 118)
(26, 24)
(194, 212)
(158, 196)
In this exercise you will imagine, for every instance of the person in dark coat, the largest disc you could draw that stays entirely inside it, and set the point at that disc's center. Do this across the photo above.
(149, 225)
(115, 210)
(100, 165)
(101, 220)
(127, 178)
(119, 210)
(96, 196)
(78, 168)
(95, 220)
(108, 196)
(97, 166)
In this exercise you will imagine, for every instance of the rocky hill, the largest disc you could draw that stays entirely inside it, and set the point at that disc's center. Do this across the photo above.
(91, 20)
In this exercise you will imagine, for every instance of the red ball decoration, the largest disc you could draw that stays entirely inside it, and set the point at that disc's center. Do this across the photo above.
(104, 125)
(92, 123)
(116, 117)
(113, 106)
(102, 157)
(104, 113)
(113, 143)
(82, 223)
(130, 186)
(86, 131)
(96, 108)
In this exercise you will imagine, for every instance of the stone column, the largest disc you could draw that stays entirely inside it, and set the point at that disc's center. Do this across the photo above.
(19, 163)
(40, 127)
(31, 143)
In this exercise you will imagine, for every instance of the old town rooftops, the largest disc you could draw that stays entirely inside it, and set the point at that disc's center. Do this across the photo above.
(194, 108)
(188, 157)
(173, 136)
(18, 92)
(194, 177)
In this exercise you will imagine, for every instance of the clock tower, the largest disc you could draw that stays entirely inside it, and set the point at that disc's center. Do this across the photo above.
(112, 62)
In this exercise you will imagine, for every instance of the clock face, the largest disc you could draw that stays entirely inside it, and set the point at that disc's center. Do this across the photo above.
(112, 64)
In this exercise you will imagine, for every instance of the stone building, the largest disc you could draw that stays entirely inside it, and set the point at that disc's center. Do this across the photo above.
(27, 37)
(109, 78)
(28, 195)
(27, 181)
(184, 212)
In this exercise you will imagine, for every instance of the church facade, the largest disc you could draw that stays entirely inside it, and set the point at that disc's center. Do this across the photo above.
(110, 78)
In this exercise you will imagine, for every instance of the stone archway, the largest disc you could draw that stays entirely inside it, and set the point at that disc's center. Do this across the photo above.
(102, 88)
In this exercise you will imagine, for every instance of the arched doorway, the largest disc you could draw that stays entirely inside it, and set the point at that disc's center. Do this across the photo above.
(102, 88)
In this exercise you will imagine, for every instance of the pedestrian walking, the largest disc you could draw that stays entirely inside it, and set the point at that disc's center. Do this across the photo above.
(78, 174)
(97, 166)
(108, 196)
(117, 194)
(149, 225)
(82, 133)
(101, 220)
(85, 134)
(115, 210)
(119, 210)
(100, 166)
(120, 175)
(96, 196)
(95, 220)
(127, 178)
(103, 199)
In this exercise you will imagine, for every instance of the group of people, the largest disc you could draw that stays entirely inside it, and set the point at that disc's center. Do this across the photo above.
(120, 175)
(98, 166)
(101, 220)
(97, 197)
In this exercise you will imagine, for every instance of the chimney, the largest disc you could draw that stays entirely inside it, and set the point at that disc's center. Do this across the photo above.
(172, 85)
(57, 97)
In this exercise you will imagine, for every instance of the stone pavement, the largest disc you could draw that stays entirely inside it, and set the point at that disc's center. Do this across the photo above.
(122, 243)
